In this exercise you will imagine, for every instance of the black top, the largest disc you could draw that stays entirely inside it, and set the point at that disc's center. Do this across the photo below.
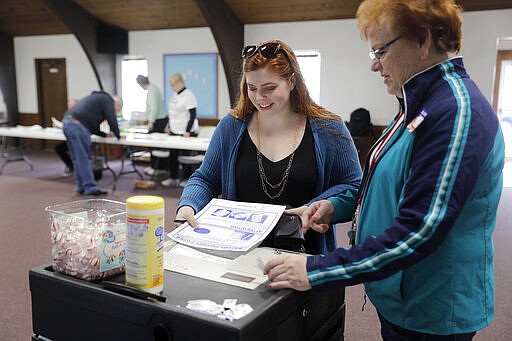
(301, 181)
(94, 109)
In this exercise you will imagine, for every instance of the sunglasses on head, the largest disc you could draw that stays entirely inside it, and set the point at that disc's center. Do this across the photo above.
(267, 50)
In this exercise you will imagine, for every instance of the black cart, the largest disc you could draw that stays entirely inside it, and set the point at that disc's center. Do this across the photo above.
(65, 308)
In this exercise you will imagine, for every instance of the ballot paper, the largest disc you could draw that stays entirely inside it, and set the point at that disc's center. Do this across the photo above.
(229, 226)
(56, 123)
(245, 271)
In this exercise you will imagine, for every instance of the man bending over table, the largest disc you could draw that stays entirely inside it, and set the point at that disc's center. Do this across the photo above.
(79, 122)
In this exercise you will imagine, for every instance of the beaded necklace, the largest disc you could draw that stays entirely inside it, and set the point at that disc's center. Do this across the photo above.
(263, 176)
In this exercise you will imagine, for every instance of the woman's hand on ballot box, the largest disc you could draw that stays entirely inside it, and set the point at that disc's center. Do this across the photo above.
(287, 271)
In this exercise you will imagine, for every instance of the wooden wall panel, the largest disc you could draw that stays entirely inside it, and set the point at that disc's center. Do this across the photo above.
(208, 121)
(29, 120)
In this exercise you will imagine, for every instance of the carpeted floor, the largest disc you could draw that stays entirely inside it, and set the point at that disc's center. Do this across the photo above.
(25, 243)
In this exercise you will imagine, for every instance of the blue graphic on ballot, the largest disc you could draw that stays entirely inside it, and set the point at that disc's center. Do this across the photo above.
(201, 230)
(257, 218)
(246, 236)
(239, 215)
(221, 212)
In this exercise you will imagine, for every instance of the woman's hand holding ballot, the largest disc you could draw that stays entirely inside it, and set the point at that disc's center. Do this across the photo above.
(186, 215)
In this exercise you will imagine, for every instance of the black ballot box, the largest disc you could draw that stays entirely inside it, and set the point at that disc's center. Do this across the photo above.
(66, 308)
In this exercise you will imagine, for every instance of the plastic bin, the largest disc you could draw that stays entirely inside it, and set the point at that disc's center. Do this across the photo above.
(88, 238)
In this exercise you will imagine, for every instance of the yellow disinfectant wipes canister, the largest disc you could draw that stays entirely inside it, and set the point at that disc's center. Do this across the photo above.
(145, 234)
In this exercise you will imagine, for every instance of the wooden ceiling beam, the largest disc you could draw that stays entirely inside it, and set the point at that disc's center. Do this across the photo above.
(84, 26)
(228, 31)
(8, 78)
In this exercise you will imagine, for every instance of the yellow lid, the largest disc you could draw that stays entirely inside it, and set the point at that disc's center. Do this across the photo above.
(144, 202)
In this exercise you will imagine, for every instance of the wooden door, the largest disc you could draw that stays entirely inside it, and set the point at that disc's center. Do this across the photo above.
(52, 92)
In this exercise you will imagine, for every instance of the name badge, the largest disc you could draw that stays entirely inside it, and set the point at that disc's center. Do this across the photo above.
(353, 231)
(415, 123)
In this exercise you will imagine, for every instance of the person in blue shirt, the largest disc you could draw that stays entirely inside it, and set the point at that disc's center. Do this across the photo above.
(426, 208)
(79, 122)
(277, 146)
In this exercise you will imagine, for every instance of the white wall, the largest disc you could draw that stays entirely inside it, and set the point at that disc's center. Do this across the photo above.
(346, 80)
(79, 73)
(154, 44)
(480, 34)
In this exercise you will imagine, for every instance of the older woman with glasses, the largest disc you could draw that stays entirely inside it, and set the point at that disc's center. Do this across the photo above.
(428, 199)
(276, 146)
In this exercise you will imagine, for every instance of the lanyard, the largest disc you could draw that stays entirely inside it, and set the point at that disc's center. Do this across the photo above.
(370, 165)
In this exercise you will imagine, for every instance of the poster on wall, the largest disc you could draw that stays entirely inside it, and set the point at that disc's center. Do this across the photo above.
(199, 71)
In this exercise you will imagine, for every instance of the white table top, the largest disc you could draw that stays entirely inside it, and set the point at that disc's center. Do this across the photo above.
(153, 140)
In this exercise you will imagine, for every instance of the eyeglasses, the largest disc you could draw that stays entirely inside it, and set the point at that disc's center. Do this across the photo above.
(267, 50)
(379, 52)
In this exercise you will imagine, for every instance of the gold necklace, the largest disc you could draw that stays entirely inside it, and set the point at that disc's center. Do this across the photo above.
(263, 176)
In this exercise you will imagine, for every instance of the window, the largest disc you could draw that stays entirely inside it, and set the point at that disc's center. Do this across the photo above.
(502, 101)
(504, 98)
(309, 62)
(3, 108)
(134, 97)
(505, 104)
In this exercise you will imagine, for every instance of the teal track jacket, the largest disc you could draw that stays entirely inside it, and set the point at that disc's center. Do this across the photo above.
(423, 245)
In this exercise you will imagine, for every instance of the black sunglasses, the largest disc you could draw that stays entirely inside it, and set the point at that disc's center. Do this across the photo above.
(267, 50)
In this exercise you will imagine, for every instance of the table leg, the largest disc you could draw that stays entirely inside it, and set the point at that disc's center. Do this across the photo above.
(102, 153)
(8, 155)
(127, 154)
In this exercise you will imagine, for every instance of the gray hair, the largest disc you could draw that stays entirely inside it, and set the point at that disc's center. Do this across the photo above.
(142, 80)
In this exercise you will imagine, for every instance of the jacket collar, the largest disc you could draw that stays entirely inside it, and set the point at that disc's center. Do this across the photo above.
(424, 83)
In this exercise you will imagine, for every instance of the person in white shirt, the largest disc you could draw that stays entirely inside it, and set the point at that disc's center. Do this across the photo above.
(182, 121)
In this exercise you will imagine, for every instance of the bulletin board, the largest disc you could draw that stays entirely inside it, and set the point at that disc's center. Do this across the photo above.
(199, 71)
